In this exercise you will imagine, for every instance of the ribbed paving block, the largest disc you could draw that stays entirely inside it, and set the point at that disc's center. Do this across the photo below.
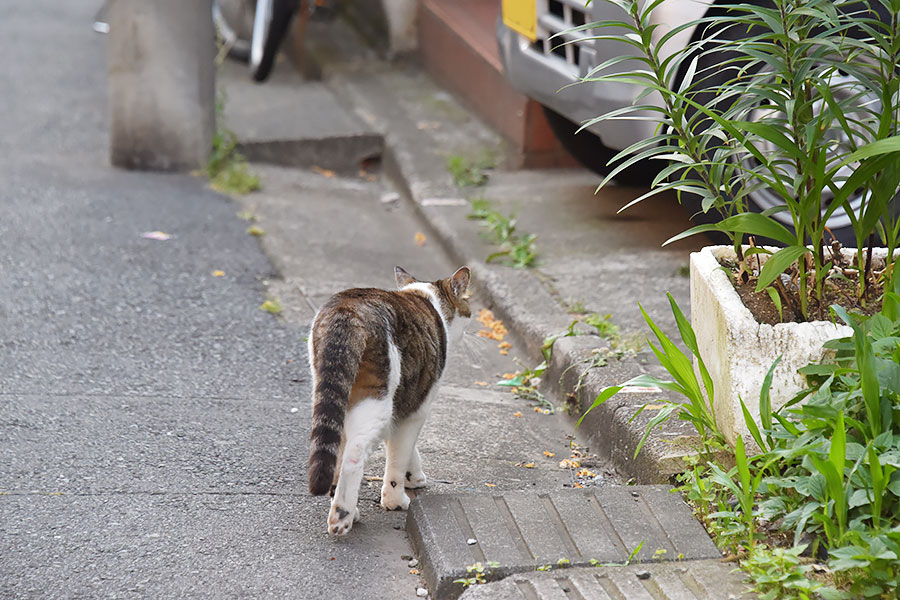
(691, 580)
(525, 530)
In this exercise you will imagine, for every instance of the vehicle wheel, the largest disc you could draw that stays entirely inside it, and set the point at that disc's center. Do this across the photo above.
(273, 17)
(588, 149)
(764, 199)
(234, 24)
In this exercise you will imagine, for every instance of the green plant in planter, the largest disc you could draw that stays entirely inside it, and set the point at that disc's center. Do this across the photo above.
(793, 104)
(828, 470)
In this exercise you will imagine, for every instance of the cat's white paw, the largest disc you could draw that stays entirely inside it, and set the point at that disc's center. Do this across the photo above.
(415, 480)
(393, 497)
(340, 520)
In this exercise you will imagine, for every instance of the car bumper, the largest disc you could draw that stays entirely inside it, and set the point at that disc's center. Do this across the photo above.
(553, 82)
(550, 73)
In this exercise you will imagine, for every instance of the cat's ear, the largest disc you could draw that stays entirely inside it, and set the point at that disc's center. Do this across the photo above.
(459, 282)
(403, 278)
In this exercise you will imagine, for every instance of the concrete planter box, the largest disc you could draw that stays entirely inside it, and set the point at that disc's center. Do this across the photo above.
(738, 351)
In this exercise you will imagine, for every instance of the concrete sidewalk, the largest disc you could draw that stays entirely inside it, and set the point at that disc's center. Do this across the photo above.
(587, 256)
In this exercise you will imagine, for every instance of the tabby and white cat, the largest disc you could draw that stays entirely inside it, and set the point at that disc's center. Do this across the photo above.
(376, 358)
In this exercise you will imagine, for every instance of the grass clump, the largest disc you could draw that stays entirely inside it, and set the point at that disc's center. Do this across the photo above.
(469, 172)
(227, 169)
(516, 250)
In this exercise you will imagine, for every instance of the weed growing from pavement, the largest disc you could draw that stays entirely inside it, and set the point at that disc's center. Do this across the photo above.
(227, 169)
(516, 250)
(525, 384)
(605, 328)
(476, 573)
(574, 307)
(470, 172)
(596, 563)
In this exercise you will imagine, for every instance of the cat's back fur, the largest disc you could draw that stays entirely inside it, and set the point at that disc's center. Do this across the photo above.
(365, 342)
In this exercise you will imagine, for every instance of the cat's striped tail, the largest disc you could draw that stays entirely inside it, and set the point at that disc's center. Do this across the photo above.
(337, 345)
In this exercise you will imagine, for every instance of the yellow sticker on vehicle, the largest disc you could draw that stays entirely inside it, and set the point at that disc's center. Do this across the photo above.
(521, 17)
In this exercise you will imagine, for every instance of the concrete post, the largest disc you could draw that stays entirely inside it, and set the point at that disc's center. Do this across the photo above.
(161, 83)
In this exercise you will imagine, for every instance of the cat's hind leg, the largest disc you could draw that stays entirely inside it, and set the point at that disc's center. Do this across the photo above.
(415, 476)
(401, 453)
(364, 426)
(337, 471)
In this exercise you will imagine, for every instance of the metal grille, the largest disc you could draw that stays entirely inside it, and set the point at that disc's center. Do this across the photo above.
(571, 49)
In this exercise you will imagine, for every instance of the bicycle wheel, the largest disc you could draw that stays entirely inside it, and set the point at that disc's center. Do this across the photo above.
(234, 23)
(269, 27)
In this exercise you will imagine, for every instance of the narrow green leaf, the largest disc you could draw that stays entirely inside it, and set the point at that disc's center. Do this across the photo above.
(765, 401)
(777, 264)
(757, 224)
(751, 425)
(775, 297)
(773, 134)
(602, 397)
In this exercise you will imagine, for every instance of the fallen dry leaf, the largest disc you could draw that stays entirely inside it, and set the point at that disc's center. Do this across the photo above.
(504, 352)
(549, 454)
(218, 273)
(159, 236)
(481, 383)
(511, 375)
(491, 484)
(529, 465)
(419, 238)
(518, 413)
(577, 485)
(323, 172)
(413, 571)
(654, 406)
(504, 345)
(585, 473)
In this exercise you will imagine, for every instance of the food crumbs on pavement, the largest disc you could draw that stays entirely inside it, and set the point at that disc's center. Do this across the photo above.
(493, 328)
(323, 172)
